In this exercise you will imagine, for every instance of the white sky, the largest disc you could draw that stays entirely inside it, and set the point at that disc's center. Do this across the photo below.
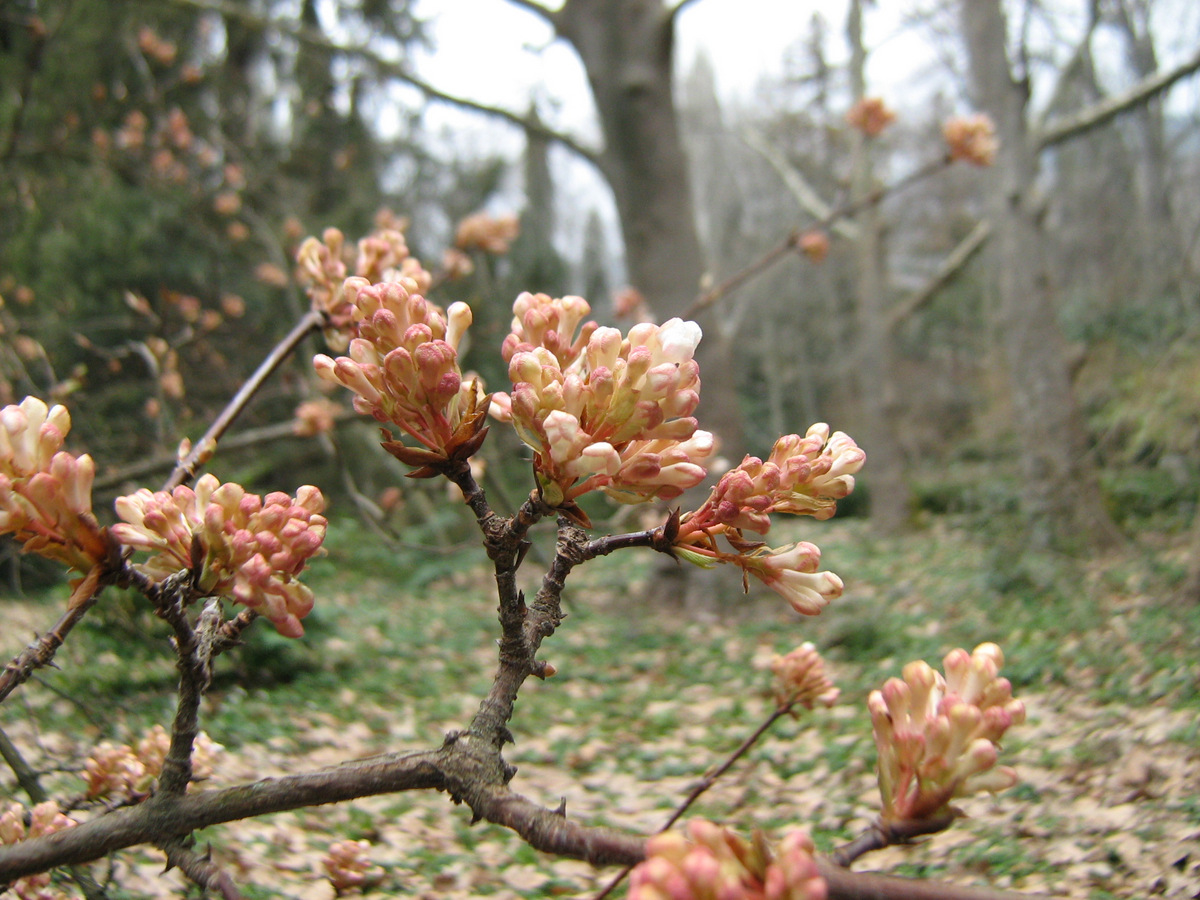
(496, 53)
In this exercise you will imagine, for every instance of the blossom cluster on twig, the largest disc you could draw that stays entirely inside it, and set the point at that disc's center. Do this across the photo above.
(801, 476)
(938, 735)
(44, 819)
(45, 491)
(240, 545)
(128, 771)
(602, 410)
(713, 863)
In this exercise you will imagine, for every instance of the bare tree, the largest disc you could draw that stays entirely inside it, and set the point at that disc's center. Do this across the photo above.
(1061, 494)
(876, 386)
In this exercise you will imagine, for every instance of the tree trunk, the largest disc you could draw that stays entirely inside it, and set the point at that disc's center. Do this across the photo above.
(875, 352)
(1060, 494)
(627, 50)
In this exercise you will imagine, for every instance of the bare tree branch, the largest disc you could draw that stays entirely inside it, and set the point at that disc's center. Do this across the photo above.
(1066, 127)
(1066, 74)
(391, 68)
(204, 448)
(538, 10)
(200, 869)
(950, 266)
(806, 195)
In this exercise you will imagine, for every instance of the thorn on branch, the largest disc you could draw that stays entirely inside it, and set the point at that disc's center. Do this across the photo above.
(562, 807)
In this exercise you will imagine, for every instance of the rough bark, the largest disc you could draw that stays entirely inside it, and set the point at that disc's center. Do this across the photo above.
(1060, 496)
(627, 49)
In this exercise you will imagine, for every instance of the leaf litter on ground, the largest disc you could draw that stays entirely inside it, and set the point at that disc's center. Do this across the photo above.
(646, 701)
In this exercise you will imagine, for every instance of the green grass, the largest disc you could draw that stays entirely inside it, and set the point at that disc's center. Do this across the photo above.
(646, 701)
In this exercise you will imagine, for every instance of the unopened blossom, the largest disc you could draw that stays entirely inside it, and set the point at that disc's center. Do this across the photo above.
(971, 138)
(713, 863)
(554, 323)
(801, 680)
(45, 818)
(46, 492)
(456, 264)
(403, 366)
(349, 868)
(871, 116)
(491, 234)
(128, 772)
(814, 245)
(938, 735)
(630, 303)
(115, 770)
(313, 417)
(322, 265)
(614, 414)
(801, 476)
(252, 548)
(791, 572)
(382, 256)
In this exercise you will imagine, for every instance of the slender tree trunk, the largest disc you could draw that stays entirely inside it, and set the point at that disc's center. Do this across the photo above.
(875, 356)
(1060, 495)
(627, 49)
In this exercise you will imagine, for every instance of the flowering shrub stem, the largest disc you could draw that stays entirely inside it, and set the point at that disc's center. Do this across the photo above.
(40, 651)
(710, 778)
(200, 869)
(311, 322)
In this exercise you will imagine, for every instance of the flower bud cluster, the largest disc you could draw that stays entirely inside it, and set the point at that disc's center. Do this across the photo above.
(871, 116)
(488, 233)
(802, 476)
(971, 138)
(715, 864)
(403, 366)
(348, 866)
(251, 548)
(814, 245)
(800, 679)
(45, 819)
(602, 411)
(382, 256)
(555, 323)
(938, 736)
(127, 772)
(46, 492)
(313, 417)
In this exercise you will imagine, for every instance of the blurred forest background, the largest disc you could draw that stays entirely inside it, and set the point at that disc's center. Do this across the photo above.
(1018, 343)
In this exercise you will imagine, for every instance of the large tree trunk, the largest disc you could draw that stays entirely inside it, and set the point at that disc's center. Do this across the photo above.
(627, 50)
(875, 352)
(1060, 495)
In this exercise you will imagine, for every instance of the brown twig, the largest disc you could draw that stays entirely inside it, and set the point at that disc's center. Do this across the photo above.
(880, 835)
(789, 243)
(200, 869)
(251, 437)
(204, 448)
(40, 652)
(26, 777)
(193, 649)
(710, 778)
